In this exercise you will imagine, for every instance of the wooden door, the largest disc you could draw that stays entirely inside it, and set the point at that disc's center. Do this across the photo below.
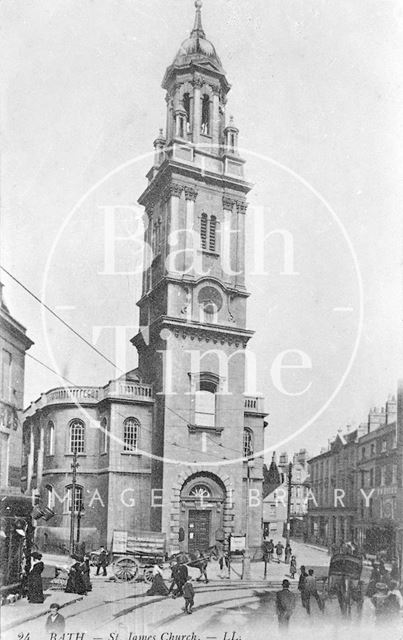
(198, 530)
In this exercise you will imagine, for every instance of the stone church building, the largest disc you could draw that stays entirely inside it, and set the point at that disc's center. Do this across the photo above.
(166, 447)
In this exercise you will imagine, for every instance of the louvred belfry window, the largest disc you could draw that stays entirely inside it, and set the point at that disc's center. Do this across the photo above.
(203, 231)
(212, 233)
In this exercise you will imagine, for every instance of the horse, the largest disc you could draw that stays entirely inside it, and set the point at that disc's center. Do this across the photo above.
(348, 590)
(196, 559)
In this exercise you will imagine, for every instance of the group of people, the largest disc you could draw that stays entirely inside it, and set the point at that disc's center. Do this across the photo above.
(181, 584)
(286, 601)
(269, 549)
(307, 586)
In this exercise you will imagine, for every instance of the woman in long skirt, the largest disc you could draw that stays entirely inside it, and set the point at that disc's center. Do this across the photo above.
(75, 581)
(34, 583)
(158, 587)
(85, 570)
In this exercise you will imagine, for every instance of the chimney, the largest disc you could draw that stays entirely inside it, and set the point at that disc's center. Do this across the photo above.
(376, 418)
(391, 409)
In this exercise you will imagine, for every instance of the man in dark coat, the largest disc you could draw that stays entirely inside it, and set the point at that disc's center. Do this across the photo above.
(179, 576)
(34, 582)
(302, 584)
(311, 590)
(285, 604)
(55, 622)
(102, 561)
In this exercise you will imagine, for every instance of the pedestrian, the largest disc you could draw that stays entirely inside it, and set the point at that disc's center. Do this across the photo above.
(381, 603)
(270, 550)
(287, 553)
(279, 550)
(102, 561)
(293, 567)
(285, 604)
(179, 577)
(395, 597)
(34, 582)
(55, 622)
(189, 595)
(221, 557)
(394, 572)
(158, 586)
(75, 580)
(85, 570)
(311, 590)
(302, 585)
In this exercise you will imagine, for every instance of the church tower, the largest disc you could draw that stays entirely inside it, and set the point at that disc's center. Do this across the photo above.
(193, 340)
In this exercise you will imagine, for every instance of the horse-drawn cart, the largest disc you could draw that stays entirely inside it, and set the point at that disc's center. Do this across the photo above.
(344, 581)
(135, 554)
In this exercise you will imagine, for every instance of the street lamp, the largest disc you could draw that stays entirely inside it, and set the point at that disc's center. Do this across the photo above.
(289, 502)
(74, 466)
(246, 557)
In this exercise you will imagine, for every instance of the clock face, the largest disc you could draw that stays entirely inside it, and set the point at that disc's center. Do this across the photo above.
(210, 298)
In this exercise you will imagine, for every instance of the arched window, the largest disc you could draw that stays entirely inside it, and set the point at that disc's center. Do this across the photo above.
(131, 432)
(50, 496)
(200, 491)
(247, 443)
(103, 437)
(203, 231)
(78, 498)
(77, 437)
(50, 438)
(205, 403)
(212, 233)
(186, 106)
(205, 119)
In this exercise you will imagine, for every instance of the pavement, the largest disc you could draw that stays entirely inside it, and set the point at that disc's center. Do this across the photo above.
(222, 606)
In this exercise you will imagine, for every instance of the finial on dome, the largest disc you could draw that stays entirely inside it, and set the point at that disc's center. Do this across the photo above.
(198, 31)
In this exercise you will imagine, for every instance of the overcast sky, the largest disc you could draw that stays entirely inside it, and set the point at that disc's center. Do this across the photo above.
(317, 96)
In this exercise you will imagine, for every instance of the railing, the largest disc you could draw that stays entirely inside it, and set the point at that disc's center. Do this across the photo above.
(129, 390)
(72, 394)
(254, 404)
(95, 394)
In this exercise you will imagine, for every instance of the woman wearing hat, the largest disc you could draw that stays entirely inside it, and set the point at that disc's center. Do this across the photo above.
(34, 584)
(75, 581)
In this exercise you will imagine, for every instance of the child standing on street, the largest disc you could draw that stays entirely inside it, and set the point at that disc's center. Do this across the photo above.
(188, 594)
(293, 567)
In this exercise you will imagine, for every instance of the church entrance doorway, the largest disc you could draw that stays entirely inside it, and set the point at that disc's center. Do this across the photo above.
(199, 530)
(202, 500)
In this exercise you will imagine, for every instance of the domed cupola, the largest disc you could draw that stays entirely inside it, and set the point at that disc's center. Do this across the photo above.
(197, 48)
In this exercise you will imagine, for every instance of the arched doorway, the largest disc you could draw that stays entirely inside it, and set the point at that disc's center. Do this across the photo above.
(202, 500)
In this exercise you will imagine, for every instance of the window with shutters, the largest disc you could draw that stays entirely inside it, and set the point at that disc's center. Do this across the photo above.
(203, 231)
(208, 232)
(212, 233)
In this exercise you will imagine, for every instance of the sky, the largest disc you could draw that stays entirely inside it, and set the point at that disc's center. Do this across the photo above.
(317, 96)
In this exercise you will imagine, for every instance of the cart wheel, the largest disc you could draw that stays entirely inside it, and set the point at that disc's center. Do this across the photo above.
(148, 576)
(125, 568)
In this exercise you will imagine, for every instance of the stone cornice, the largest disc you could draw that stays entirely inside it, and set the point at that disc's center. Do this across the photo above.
(199, 332)
(171, 170)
